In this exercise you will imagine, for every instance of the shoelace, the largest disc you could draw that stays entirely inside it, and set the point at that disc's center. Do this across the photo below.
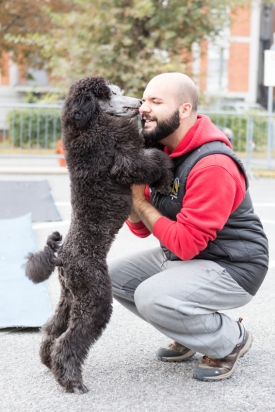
(206, 359)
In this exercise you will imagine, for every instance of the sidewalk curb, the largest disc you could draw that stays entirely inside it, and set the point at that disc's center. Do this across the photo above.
(34, 170)
(264, 173)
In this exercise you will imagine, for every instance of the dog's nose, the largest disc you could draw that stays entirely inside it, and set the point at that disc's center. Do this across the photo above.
(140, 101)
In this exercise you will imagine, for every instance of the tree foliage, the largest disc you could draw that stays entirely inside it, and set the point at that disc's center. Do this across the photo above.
(127, 41)
(20, 19)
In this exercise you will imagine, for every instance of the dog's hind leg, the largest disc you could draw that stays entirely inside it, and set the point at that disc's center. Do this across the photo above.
(57, 324)
(91, 311)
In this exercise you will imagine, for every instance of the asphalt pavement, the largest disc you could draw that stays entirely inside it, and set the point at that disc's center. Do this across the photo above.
(121, 370)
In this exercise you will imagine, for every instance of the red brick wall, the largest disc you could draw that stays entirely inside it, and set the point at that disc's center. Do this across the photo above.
(238, 67)
(203, 66)
(240, 21)
(238, 64)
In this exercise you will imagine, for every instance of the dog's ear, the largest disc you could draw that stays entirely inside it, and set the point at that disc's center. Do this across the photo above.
(81, 104)
(83, 111)
(78, 110)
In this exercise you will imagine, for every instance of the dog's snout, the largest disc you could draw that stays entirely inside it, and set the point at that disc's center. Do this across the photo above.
(140, 101)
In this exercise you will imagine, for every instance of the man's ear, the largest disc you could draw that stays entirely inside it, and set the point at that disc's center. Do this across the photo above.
(185, 110)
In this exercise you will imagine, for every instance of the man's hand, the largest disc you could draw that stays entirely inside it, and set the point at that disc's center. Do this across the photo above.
(137, 194)
(142, 209)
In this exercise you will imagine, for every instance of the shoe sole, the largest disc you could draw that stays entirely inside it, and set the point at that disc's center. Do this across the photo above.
(245, 349)
(182, 358)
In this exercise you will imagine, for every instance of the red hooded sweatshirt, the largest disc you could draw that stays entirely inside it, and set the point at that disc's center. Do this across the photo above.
(214, 189)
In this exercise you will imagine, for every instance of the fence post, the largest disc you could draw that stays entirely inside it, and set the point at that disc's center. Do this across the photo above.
(249, 140)
(270, 128)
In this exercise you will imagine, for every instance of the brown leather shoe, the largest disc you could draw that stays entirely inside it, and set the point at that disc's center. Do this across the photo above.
(217, 369)
(175, 352)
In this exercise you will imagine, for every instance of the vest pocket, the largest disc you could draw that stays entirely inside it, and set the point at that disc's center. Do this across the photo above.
(215, 251)
(232, 250)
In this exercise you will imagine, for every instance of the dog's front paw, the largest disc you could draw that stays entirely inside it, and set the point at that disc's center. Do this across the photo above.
(165, 165)
(164, 184)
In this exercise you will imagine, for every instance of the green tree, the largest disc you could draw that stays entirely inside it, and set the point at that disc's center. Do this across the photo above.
(128, 41)
(20, 19)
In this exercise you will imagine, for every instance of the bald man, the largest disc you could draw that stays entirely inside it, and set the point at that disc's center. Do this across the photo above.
(213, 253)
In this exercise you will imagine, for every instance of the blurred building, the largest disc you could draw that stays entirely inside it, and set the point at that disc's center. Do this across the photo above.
(15, 83)
(232, 67)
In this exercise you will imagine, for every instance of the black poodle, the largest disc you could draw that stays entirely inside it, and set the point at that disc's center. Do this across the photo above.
(105, 157)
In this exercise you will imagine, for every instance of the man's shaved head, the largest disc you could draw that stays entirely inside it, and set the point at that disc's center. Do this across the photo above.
(178, 84)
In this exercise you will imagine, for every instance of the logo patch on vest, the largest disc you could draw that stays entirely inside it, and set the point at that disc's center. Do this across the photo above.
(175, 189)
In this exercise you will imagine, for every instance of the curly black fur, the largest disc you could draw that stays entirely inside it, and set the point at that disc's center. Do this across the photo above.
(105, 157)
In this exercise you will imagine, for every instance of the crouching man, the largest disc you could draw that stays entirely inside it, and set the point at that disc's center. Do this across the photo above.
(213, 253)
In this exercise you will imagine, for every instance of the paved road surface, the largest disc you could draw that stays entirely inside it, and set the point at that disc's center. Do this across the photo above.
(121, 370)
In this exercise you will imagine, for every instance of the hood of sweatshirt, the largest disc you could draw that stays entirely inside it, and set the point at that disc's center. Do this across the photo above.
(203, 131)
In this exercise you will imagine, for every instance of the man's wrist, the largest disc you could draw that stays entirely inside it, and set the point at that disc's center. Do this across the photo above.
(133, 217)
(146, 212)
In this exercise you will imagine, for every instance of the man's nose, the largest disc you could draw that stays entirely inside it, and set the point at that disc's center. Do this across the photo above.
(144, 107)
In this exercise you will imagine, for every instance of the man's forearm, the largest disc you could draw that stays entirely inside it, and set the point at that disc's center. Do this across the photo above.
(146, 213)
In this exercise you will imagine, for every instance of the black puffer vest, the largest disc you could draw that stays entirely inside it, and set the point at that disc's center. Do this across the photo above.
(241, 247)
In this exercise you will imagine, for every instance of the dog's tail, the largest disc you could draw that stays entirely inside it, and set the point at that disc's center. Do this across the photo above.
(40, 265)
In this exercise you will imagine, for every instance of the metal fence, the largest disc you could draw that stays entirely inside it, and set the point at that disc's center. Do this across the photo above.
(33, 131)
(253, 136)
(29, 130)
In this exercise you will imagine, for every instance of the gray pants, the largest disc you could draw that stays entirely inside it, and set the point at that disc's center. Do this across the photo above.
(181, 299)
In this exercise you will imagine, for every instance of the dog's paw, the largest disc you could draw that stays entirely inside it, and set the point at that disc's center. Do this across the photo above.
(164, 184)
(77, 388)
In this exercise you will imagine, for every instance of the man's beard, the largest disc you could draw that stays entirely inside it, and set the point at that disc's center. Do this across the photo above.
(163, 129)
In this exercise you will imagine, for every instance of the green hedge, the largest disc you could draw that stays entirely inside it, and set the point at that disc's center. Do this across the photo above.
(238, 124)
(34, 127)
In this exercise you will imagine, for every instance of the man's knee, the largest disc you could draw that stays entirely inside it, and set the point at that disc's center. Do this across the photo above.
(158, 305)
(144, 300)
(151, 302)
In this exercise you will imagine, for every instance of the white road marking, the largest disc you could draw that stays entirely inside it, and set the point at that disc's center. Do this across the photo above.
(268, 221)
(62, 203)
(45, 225)
(264, 204)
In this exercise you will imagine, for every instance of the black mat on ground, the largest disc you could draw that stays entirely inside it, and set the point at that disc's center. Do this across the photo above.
(21, 197)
